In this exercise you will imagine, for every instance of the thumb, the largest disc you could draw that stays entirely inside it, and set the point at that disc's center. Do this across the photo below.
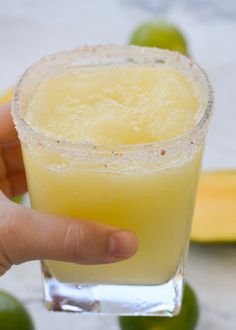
(26, 234)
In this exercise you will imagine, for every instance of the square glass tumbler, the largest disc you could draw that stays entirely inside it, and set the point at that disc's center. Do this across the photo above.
(149, 188)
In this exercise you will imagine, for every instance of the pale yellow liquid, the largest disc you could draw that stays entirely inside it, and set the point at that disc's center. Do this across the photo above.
(125, 104)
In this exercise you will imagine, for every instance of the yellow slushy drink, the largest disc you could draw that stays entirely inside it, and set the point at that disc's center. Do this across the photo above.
(116, 159)
(126, 104)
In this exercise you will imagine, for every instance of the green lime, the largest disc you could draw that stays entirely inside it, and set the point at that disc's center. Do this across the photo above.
(186, 320)
(13, 315)
(18, 199)
(160, 34)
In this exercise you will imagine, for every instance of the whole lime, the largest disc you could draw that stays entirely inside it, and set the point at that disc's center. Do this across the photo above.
(13, 315)
(186, 320)
(161, 34)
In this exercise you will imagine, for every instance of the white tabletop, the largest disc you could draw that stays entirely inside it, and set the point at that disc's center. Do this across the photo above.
(30, 29)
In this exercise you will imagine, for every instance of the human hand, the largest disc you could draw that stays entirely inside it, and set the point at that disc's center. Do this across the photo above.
(26, 234)
(12, 174)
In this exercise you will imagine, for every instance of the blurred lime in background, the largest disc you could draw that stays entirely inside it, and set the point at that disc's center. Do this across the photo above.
(13, 314)
(18, 199)
(186, 320)
(161, 34)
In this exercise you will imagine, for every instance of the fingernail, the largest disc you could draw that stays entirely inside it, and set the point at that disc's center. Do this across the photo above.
(122, 244)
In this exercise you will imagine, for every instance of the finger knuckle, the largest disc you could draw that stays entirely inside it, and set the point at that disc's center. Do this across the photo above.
(76, 241)
(8, 234)
(8, 225)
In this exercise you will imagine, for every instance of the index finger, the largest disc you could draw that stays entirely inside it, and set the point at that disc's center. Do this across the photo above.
(8, 132)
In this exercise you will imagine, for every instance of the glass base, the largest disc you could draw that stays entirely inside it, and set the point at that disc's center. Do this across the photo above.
(157, 300)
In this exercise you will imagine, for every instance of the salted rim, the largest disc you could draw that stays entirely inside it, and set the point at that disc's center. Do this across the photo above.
(145, 55)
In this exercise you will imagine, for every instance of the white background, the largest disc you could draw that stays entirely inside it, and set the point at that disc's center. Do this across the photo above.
(30, 29)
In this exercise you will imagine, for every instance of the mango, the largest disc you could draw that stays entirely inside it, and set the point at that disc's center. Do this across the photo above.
(6, 97)
(215, 212)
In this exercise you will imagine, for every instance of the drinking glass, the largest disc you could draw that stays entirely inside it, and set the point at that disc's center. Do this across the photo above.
(148, 187)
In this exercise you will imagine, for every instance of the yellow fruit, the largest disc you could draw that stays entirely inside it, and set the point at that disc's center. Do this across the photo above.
(215, 214)
(186, 320)
(160, 34)
(13, 315)
(6, 97)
